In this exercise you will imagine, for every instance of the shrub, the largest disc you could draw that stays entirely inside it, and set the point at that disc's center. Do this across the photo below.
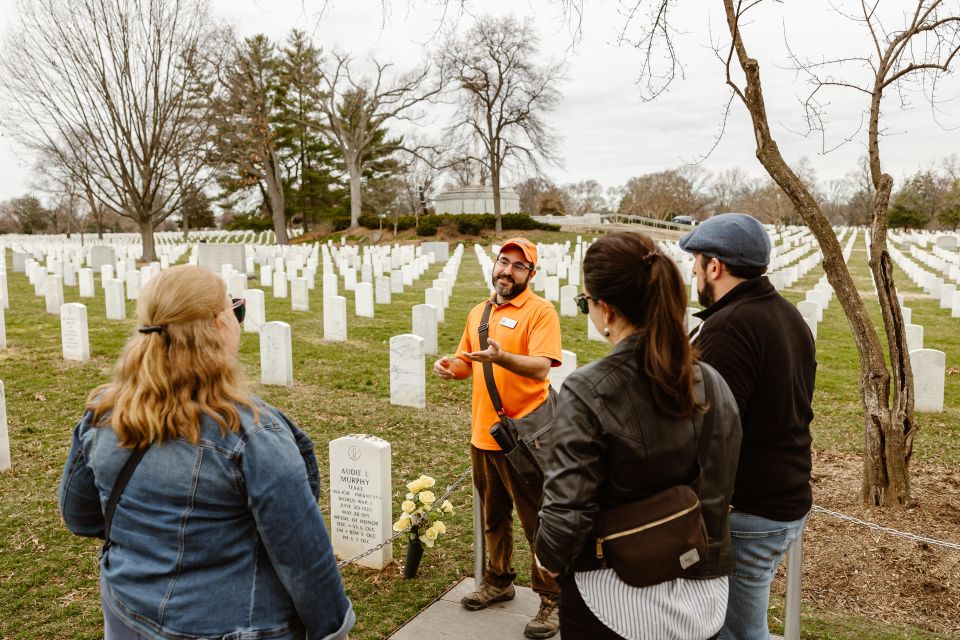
(250, 222)
(468, 225)
(341, 223)
(428, 225)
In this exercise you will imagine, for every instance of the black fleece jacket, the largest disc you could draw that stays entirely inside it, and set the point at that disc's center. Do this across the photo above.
(762, 347)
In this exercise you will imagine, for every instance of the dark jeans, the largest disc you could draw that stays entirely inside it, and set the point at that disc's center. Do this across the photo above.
(500, 490)
(576, 619)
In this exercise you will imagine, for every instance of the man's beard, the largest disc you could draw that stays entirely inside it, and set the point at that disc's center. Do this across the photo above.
(705, 295)
(508, 291)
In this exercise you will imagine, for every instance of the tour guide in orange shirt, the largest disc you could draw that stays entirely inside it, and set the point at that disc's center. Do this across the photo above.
(524, 342)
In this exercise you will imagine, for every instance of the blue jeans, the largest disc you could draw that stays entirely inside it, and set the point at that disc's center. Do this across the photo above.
(758, 545)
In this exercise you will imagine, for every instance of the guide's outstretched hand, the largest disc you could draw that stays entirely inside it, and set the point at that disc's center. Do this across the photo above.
(451, 368)
(490, 354)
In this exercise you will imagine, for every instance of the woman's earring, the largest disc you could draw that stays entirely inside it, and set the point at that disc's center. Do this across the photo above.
(606, 332)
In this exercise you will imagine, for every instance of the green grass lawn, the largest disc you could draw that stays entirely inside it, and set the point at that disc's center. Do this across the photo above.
(48, 577)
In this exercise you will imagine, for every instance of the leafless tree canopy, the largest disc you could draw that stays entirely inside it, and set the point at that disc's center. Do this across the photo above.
(503, 97)
(101, 86)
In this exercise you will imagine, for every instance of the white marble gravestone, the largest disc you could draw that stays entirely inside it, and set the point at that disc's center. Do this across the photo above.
(133, 285)
(335, 318)
(425, 326)
(567, 366)
(4, 434)
(383, 292)
(299, 294)
(593, 333)
(329, 285)
(3, 329)
(361, 496)
(255, 316)
(434, 296)
(4, 293)
(276, 354)
(53, 293)
(236, 284)
(552, 289)
(280, 284)
(74, 334)
(914, 336)
(396, 282)
(946, 295)
(568, 304)
(212, 256)
(820, 298)
(363, 299)
(113, 293)
(266, 276)
(809, 310)
(85, 280)
(408, 380)
(929, 369)
(907, 313)
(350, 279)
(102, 255)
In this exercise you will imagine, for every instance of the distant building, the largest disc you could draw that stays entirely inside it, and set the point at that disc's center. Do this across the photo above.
(476, 199)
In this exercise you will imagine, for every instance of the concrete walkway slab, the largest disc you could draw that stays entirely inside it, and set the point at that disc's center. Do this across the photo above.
(445, 619)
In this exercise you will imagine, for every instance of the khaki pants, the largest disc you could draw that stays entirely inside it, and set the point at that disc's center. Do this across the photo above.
(500, 490)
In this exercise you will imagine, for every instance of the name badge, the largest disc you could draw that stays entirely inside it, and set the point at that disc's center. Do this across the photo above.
(508, 323)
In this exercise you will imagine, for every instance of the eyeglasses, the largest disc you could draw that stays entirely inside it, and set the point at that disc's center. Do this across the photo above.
(582, 304)
(516, 266)
(239, 308)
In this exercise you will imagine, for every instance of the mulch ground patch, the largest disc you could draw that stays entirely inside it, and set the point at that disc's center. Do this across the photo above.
(851, 568)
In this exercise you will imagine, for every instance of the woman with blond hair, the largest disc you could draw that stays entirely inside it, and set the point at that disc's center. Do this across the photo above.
(205, 495)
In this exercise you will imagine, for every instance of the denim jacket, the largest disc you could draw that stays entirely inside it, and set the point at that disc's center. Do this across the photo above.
(220, 540)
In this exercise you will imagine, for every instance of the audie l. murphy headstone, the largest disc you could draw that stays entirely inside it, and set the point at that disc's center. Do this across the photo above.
(360, 494)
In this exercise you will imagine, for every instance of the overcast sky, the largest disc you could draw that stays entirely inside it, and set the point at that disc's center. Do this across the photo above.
(608, 132)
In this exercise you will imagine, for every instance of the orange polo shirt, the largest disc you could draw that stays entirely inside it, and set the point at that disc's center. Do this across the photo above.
(528, 325)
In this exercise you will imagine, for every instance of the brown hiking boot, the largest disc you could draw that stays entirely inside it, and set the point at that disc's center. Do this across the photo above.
(486, 595)
(547, 621)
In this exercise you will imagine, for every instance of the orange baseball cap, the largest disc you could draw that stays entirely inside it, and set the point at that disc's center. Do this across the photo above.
(526, 247)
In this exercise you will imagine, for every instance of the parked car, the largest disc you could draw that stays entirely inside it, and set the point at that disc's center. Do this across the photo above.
(684, 220)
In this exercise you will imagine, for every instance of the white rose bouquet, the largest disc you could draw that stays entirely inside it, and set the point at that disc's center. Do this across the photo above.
(416, 514)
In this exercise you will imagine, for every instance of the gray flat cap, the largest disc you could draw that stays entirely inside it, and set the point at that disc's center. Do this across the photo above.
(733, 238)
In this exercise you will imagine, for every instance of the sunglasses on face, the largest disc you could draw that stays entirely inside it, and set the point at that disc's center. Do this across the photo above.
(582, 304)
(239, 308)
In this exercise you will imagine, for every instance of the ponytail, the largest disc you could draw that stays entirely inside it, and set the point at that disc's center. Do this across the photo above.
(628, 272)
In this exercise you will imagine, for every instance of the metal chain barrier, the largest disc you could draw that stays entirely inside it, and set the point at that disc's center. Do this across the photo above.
(893, 532)
(439, 501)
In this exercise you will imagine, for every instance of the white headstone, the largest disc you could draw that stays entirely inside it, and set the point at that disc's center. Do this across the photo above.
(812, 324)
(946, 295)
(908, 315)
(335, 318)
(53, 292)
(593, 333)
(329, 285)
(3, 329)
(73, 332)
(434, 297)
(86, 283)
(568, 304)
(266, 276)
(361, 497)
(116, 306)
(102, 255)
(363, 299)
(383, 290)
(4, 434)
(820, 298)
(4, 293)
(408, 380)
(552, 289)
(255, 316)
(279, 284)
(236, 284)
(212, 256)
(425, 326)
(350, 279)
(929, 370)
(396, 282)
(276, 354)
(567, 366)
(914, 336)
(299, 294)
(133, 285)
(810, 310)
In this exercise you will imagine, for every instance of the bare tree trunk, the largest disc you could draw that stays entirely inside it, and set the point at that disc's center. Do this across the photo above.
(146, 235)
(885, 479)
(186, 226)
(353, 166)
(495, 183)
(275, 194)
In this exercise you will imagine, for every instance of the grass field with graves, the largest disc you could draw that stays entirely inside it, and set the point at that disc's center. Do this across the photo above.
(48, 577)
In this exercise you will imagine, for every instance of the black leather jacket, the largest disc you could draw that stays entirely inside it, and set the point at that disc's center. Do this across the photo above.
(612, 446)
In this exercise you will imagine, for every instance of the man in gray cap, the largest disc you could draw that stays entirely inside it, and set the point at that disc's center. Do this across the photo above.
(761, 345)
